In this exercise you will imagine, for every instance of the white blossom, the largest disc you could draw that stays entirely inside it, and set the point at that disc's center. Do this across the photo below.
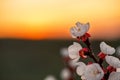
(64, 52)
(114, 76)
(73, 63)
(73, 50)
(106, 49)
(113, 61)
(79, 30)
(80, 68)
(65, 74)
(93, 72)
(50, 77)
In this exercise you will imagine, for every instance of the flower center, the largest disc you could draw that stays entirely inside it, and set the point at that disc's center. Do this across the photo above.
(79, 29)
(96, 72)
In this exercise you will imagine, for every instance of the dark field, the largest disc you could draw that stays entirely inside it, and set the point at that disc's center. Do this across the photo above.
(33, 60)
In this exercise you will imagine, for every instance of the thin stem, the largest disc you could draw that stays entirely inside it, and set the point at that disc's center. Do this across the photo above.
(92, 55)
(87, 42)
(100, 62)
(106, 76)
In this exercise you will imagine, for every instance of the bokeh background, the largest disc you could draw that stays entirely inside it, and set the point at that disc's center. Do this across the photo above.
(32, 32)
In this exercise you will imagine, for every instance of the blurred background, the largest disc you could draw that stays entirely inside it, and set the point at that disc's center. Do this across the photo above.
(32, 32)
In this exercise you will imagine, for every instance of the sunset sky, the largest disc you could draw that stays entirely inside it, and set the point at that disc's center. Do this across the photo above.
(51, 19)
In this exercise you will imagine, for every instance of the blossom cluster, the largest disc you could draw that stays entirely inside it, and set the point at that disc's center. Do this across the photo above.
(104, 65)
(92, 70)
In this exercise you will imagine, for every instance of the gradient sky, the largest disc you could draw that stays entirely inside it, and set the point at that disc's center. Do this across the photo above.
(42, 19)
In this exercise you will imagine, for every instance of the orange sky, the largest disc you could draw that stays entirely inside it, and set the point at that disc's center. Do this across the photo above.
(42, 19)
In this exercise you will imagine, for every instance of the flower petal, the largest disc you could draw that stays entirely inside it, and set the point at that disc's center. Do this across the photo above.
(106, 49)
(73, 50)
(65, 74)
(83, 28)
(73, 32)
(114, 76)
(113, 61)
(73, 63)
(118, 70)
(64, 52)
(50, 77)
(81, 68)
(83, 77)
(79, 30)
(94, 72)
